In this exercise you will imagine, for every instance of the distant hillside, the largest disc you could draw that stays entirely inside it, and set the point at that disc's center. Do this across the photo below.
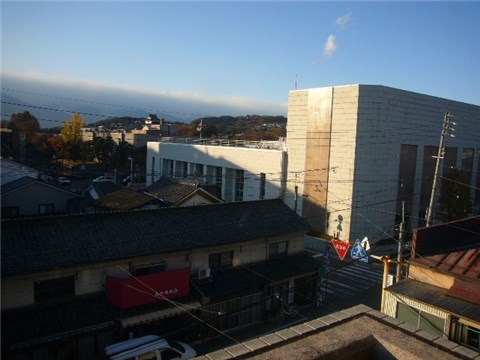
(227, 126)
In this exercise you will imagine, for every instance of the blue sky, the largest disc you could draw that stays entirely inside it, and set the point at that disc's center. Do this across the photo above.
(247, 55)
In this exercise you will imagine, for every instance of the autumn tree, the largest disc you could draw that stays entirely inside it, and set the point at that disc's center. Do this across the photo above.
(72, 137)
(72, 130)
(26, 124)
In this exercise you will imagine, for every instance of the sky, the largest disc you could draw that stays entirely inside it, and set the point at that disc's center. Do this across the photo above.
(239, 56)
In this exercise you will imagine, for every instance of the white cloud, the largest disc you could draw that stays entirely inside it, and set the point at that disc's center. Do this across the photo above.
(122, 97)
(330, 47)
(343, 20)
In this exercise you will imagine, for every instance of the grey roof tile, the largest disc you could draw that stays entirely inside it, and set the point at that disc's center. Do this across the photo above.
(36, 244)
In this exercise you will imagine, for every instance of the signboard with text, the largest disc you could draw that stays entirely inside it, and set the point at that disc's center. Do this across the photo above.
(341, 247)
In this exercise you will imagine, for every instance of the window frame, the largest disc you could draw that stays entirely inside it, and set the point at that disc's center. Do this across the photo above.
(221, 260)
(277, 249)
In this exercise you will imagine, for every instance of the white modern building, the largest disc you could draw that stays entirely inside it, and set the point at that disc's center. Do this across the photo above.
(353, 155)
(242, 171)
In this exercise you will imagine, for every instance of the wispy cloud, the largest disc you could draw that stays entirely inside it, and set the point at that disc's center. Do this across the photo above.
(343, 20)
(330, 47)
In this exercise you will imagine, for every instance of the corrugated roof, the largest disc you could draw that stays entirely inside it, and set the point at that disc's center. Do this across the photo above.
(437, 297)
(36, 244)
(465, 263)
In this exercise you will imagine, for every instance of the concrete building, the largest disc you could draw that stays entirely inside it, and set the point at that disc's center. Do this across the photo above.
(358, 151)
(242, 171)
(352, 155)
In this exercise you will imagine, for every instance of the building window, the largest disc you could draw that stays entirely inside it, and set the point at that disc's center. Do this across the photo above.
(465, 334)
(181, 169)
(221, 260)
(198, 170)
(45, 290)
(10, 212)
(45, 209)
(262, 186)
(278, 249)
(239, 182)
(148, 269)
(219, 178)
(167, 168)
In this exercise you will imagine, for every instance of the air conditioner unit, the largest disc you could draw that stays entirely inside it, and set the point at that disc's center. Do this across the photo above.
(203, 273)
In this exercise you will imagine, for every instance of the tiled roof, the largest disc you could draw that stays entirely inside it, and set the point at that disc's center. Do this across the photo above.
(171, 190)
(37, 244)
(124, 199)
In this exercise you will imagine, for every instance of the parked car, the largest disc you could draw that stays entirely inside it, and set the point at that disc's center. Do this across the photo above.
(63, 181)
(104, 178)
(150, 347)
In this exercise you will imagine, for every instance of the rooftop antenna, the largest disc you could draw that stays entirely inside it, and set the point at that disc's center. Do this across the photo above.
(296, 75)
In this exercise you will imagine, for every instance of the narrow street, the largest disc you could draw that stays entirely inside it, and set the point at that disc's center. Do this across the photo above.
(348, 283)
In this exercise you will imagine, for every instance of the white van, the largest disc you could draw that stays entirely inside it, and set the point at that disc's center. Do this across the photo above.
(150, 347)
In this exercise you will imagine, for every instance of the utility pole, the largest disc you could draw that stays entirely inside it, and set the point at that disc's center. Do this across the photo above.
(441, 152)
(400, 245)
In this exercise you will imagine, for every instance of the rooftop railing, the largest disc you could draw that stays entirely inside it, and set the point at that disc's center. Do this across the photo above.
(262, 144)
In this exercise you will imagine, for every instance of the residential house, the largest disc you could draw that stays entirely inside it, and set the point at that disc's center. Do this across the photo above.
(176, 192)
(127, 199)
(27, 196)
(441, 294)
(73, 284)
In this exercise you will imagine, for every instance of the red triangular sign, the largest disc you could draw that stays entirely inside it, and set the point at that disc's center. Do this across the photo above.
(341, 247)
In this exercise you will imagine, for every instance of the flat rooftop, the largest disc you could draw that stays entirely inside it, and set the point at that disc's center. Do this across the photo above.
(358, 333)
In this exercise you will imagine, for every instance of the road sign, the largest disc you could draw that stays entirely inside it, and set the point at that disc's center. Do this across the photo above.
(358, 252)
(341, 247)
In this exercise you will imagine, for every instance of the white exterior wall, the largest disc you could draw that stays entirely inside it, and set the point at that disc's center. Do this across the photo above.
(253, 161)
(369, 123)
(342, 161)
(297, 126)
